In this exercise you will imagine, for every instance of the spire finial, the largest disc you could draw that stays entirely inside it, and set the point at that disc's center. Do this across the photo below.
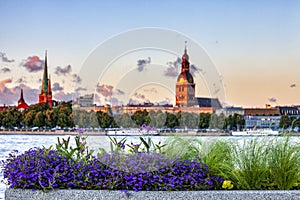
(45, 76)
(21, 96)
(185, 51)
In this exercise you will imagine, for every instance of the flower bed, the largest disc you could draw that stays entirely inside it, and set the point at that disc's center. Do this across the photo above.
(75, 168)
(180, 165)
(46, 170)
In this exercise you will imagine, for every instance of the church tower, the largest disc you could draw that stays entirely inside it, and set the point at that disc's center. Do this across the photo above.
(185, 86)
(21, 103)
(46, 94)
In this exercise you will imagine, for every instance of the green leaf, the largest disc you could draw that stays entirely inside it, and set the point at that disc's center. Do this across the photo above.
(145, 144)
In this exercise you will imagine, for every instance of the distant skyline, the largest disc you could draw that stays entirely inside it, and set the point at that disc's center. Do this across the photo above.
(254, 45)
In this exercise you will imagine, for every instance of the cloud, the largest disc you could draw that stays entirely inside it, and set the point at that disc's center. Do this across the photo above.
(33, 64)
(138, 98)
(76, 78)
(273, 100)
(30, 94)
(4, 58)
(151, 90)
(105, 90)
(173, 69)
(3, 87)
(62, 96)
(63, 71)
(10, 96)
(80, 89)
(133, 101)
(56, 87)
(164, 102)
(5, 70)
(142, 63)
(176, 64)
(139, 95)
(293, 85)
(119, 92)
(108, 92)
(21, 80)
(115, 101)
(194, 69)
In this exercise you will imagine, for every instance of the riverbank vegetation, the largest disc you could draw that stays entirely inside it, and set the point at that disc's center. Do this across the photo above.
(41, 116)
(176, 164)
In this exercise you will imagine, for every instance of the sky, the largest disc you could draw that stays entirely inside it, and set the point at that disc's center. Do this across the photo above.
(253, 45)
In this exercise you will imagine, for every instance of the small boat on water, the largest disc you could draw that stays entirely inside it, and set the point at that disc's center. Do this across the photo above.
(131, 132)
(256, 132)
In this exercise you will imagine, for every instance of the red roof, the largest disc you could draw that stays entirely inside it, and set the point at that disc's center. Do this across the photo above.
(22, 104)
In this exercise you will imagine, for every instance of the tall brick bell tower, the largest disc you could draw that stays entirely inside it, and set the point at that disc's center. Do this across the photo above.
(185, 86)
(46, 94)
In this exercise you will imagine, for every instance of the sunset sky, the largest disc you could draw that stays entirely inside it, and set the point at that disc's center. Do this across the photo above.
(253, 45)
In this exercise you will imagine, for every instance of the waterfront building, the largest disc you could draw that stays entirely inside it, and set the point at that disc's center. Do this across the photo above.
(103, 108)
(46, 94)
(262, 117)
(292, 111)
(227, 111)
(132, 108)
(86, 100)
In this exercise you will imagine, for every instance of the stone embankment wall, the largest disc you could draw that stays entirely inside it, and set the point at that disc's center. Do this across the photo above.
(19, 194)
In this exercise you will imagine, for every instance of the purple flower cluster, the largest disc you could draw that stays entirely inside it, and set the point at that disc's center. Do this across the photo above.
(147, 128)
(42, 169)
(144, 171)
(37, 169)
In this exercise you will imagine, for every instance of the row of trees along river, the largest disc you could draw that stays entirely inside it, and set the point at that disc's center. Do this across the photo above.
(40, 115)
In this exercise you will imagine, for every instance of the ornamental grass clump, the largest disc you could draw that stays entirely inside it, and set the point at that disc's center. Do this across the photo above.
(266, 164)
(75, 168)
(259, 163)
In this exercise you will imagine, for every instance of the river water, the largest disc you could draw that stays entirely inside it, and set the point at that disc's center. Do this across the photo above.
(8, 143)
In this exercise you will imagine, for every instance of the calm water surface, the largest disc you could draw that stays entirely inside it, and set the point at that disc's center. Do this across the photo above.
(22, 143)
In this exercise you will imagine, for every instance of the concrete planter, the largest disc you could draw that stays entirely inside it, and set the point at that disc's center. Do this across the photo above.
(20, 194)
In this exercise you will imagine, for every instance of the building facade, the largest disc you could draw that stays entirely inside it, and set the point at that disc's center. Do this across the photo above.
(262, 118)
(292, 111)
(86, 100)
(227, 111)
